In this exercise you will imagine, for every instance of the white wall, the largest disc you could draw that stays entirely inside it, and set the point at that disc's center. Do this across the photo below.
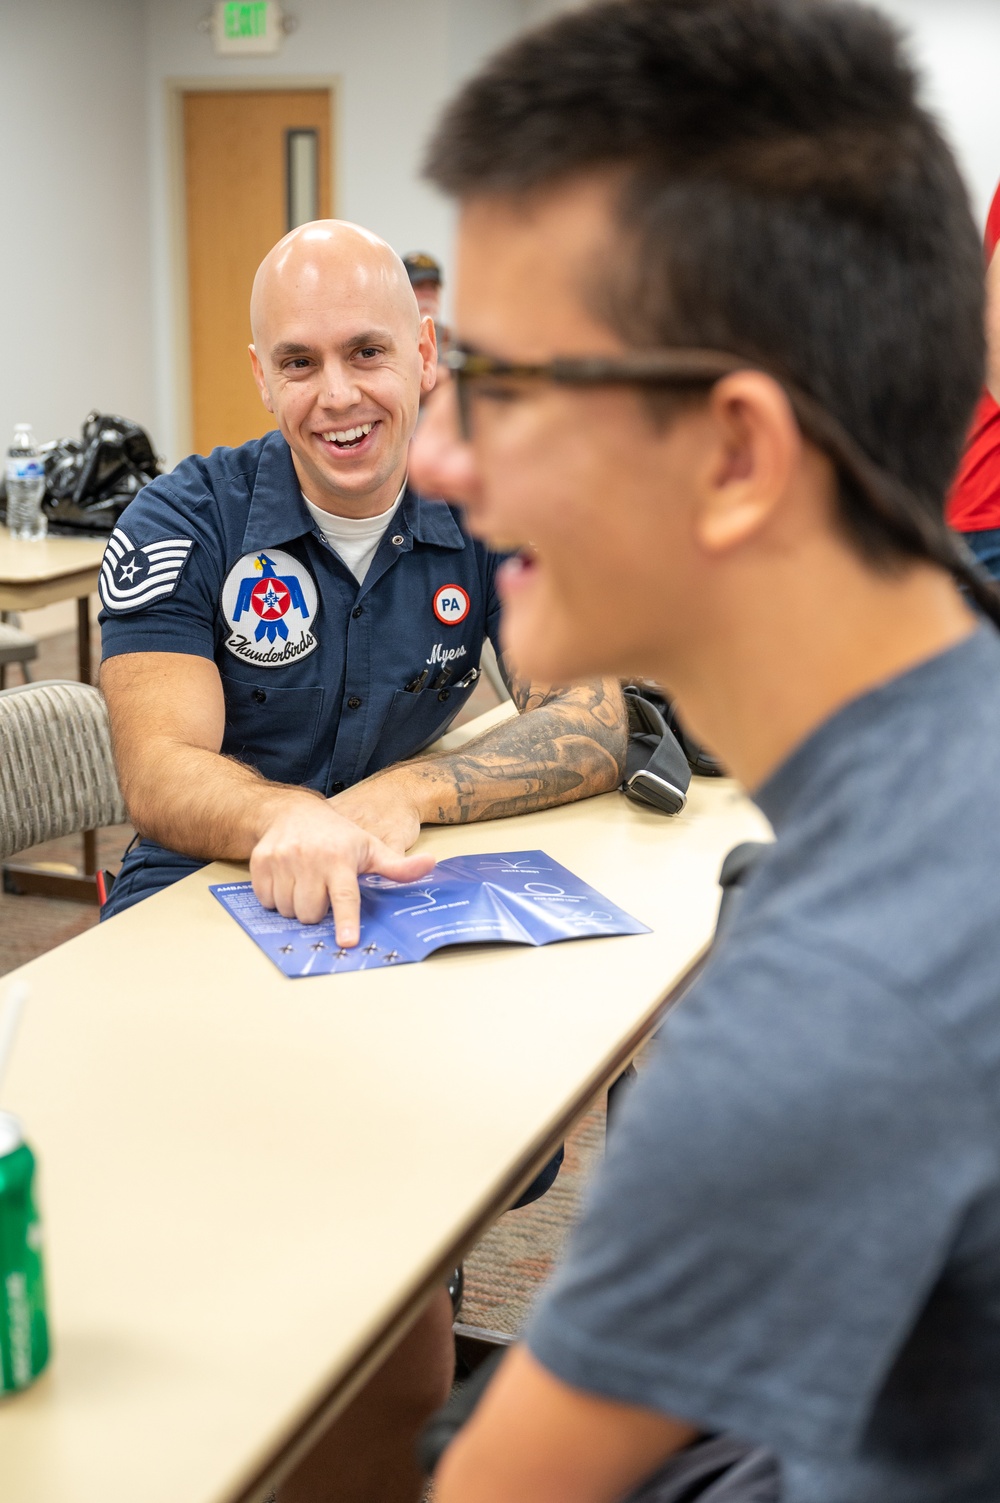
(74, 247)
(956, 44)
(395, 62)
(89, 307)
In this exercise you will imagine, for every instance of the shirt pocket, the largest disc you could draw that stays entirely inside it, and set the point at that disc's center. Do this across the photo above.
(272, 729)
(413, 721)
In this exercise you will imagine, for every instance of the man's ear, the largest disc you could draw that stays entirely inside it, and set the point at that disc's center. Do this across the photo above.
(427, 344)
(258, 375)
(755, 450)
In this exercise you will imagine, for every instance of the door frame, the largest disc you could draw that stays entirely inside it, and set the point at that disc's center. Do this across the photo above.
(175, 89)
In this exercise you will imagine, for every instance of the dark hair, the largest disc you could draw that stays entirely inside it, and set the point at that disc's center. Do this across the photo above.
(783, 196)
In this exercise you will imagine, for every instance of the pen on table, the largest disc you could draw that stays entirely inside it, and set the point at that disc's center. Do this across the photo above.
(416, 684)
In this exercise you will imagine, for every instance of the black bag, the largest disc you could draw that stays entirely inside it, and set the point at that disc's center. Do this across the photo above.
(698, 759)
(89, 481)
(656, 769)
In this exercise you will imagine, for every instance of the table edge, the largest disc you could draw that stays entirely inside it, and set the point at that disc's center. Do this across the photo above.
(284, 1460)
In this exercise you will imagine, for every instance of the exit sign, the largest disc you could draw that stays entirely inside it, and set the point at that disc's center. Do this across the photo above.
(246, 26)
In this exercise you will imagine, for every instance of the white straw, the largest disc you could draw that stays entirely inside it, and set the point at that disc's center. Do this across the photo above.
(10, 1016)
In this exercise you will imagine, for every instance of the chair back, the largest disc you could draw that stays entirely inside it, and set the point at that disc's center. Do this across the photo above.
(57, 775)
(16, 646)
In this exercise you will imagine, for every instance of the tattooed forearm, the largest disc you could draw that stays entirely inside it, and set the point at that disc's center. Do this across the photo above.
(530, 696)
(566, 744)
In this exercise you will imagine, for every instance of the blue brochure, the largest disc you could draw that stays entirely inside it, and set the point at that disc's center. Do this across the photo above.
(515, 897)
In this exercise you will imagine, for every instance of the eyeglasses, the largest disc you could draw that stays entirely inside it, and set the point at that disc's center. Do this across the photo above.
(643, 368)
(920, 531)
(680, 368)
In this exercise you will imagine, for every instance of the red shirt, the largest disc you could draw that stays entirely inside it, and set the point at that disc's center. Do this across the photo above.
(974, 502)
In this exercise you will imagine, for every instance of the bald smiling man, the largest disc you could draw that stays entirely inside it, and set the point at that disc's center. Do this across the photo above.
(287, 625)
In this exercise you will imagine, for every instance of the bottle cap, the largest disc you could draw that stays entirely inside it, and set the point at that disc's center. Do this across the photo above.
(11, 1134)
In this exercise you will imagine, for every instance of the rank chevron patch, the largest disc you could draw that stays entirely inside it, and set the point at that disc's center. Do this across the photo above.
(132, 577)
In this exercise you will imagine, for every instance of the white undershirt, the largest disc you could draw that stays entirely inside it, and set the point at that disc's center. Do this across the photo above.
(354, 539)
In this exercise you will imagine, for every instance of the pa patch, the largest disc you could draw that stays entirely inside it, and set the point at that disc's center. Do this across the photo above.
(132, 578)
(451, 604)
(270, 602)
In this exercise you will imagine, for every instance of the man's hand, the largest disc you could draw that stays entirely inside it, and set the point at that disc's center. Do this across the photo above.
(167, 722)
(385, 805)
(309, 859)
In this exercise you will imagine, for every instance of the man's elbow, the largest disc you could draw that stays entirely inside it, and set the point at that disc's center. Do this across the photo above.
(145, 778)
(139, 793)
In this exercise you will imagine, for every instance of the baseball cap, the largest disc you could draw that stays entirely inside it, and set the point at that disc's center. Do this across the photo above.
(420, 267)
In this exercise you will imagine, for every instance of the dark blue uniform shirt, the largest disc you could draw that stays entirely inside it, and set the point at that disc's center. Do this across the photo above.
(221, 559)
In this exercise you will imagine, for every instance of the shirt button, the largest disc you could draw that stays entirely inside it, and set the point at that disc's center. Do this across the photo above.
(357, 611)
(259, 696)
(444, 694)
(337, 788)
(398, 539)
(354, 703)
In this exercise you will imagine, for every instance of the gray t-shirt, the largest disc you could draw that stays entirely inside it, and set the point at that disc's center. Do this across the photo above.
(796, 1232)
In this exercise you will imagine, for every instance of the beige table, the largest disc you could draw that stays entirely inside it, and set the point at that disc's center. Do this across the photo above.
(42, 573)
(33, 575)
(251, 1183)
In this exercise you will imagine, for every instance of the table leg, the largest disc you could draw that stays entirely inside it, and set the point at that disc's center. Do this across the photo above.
(83, 639)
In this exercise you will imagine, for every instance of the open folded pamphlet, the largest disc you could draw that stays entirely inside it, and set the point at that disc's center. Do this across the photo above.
(513, 897)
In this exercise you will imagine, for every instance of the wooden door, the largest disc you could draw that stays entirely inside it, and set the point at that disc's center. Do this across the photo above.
(255, 163)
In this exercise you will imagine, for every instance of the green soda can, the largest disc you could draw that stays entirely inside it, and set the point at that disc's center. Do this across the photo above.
(24, 1331)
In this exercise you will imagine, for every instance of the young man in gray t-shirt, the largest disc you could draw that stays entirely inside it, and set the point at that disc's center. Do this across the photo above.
(736, 212)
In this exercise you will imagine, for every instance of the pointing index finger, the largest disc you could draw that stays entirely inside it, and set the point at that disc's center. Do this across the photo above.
(345, 900)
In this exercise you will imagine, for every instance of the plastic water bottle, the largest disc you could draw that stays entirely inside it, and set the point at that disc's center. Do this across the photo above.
(25, 486)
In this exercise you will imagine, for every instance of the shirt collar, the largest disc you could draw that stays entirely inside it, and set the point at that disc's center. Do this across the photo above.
(278, 513)
(430, 521)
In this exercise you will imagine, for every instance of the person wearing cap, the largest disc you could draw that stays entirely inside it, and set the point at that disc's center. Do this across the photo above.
(719, 334)
(426, 280)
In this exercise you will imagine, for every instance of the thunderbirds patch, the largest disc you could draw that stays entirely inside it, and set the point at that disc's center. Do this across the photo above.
(270, 602)
(132, 578)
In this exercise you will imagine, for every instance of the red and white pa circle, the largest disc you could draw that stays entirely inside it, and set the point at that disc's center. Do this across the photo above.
(451, 604)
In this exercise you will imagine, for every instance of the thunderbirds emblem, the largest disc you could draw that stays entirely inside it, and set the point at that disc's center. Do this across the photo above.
(270, 602)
